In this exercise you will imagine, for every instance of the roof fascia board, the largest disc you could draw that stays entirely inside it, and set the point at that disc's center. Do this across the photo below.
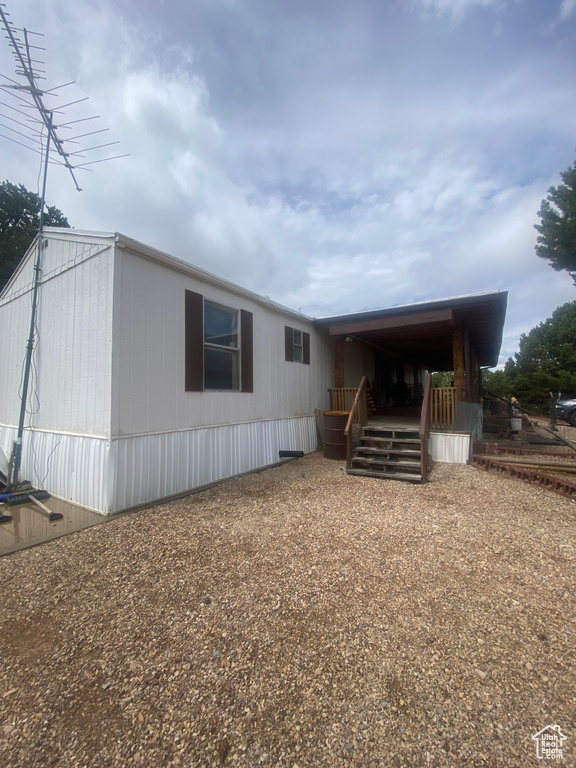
(455, 302)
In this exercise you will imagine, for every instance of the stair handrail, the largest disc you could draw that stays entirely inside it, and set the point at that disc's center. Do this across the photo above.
(509, 403)
(424, 429)
(356, 405)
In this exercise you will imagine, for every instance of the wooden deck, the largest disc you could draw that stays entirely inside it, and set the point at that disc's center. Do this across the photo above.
(442, 408)
(394, 422)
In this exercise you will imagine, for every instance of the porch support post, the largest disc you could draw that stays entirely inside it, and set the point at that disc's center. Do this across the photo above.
(458, 361)
(339, 363)
(467, 367)
(475, 375)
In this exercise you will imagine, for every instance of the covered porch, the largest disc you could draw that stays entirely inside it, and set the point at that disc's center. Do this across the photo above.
(395, 348)
(383, 360)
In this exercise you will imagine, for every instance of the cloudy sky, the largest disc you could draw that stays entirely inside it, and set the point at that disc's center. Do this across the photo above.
(335, 156)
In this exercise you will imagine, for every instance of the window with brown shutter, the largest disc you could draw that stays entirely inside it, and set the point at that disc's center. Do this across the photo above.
(219, 347)
(296, 345)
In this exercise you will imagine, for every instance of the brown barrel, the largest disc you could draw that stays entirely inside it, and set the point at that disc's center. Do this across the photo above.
(334, 423)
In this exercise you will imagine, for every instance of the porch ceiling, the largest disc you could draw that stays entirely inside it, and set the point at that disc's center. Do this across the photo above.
(422, 333)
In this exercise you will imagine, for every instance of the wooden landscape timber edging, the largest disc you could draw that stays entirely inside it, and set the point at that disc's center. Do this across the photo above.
(485, 448)
(563, 486)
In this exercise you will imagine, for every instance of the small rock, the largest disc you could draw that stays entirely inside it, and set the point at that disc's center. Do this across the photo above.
(9, 693)
(223, 748)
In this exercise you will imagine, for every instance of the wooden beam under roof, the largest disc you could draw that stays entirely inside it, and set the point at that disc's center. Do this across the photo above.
(396, 321)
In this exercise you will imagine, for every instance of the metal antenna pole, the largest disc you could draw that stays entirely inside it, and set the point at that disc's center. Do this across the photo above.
(17, 449)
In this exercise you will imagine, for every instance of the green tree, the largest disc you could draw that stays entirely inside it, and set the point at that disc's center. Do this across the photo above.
(497, 382)
(557, 239)
(443, 379)
(19, 220)
(546, 359)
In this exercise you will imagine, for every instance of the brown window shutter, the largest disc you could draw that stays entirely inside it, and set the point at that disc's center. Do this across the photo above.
(247, 350)
(194, 342)
(289, 343)
(306, 348)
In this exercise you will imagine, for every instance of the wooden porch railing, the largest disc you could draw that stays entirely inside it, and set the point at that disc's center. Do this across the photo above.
(342, 399)
(424, 429)
(358, 415)
(443, 406)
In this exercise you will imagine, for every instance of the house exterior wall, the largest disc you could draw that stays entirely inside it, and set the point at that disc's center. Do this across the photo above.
(113, 425)
(166, 440)
(67, 426)
(69, 388)
(358, 362)
(149, 357)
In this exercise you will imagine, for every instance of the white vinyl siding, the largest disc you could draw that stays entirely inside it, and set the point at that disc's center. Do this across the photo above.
(149, 360)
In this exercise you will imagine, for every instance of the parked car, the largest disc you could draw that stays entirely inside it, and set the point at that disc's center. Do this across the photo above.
(566, 408)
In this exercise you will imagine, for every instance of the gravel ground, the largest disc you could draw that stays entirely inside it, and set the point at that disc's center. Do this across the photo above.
(298, 617)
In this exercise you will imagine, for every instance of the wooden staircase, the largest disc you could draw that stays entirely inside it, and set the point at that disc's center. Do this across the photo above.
(389, 453)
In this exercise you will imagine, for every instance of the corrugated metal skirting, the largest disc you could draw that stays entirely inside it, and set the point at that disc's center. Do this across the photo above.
(74, 467)
(450, 448)
(111, 475)
(150, 467)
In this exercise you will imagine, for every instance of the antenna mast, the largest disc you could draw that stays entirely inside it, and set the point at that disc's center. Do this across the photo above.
(31, 99)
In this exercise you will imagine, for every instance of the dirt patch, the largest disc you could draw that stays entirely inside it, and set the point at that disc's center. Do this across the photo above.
(298, 617)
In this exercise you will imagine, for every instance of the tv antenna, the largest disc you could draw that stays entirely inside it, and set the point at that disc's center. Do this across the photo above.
(40, 128)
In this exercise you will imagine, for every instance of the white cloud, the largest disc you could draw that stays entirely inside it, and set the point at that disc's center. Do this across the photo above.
(567, 9)
(458, 8)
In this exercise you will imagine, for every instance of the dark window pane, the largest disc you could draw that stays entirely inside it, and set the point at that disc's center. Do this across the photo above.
(220, 325)
(297, 346)
(220, 369)
(289, 343)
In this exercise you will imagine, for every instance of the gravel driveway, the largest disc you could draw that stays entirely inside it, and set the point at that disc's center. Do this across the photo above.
(298, 617)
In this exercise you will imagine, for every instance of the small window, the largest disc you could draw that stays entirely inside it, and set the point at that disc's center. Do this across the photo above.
(297, 345)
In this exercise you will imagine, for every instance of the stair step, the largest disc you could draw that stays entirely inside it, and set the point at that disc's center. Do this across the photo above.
(367, 449)
(386, 475)
(380, 462)
(390, 466)
(389, 471)
(393, 434)
(394, 440)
